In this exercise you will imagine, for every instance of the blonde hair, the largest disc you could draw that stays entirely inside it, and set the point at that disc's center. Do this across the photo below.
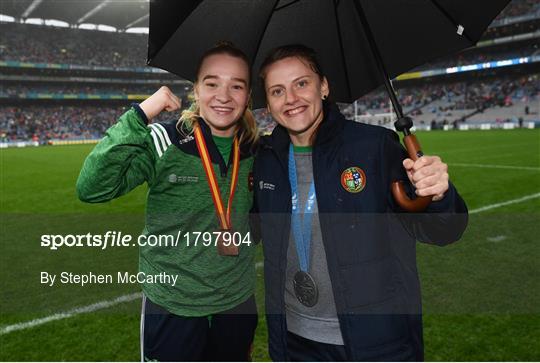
(247, 126)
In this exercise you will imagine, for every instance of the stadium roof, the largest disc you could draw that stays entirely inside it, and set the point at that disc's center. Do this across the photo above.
(121, 14)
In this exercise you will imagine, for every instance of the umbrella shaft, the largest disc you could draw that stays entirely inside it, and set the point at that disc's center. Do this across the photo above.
(393, 98)
(378, 60)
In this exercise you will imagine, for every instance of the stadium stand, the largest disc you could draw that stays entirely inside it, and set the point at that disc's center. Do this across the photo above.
(71, 46)
(14, 89)
(45, 123)
(520, 7)
(68, 83)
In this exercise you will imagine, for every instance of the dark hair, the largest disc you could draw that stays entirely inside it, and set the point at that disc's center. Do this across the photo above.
(291, 50)
(224, 47)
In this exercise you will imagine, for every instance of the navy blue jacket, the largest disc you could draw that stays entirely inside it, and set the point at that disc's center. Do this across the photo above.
(369, 244)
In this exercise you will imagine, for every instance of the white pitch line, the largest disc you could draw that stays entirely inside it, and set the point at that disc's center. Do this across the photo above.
(491, 166)
(498, 238)
(502, 204)
(80, 310)
(70, 313)
(127, 298)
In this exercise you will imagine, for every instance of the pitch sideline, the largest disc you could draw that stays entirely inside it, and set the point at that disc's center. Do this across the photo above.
(502, 204)
(494, 166)
(77, 311)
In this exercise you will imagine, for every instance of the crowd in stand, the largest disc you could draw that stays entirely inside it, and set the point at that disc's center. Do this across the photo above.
(476, 55)
(519, 7)
(410, 97)
(34, 43)
(72, 46)
(440, 100)
(14, 89)
(515, 28)
(44, 123)
(432, 101)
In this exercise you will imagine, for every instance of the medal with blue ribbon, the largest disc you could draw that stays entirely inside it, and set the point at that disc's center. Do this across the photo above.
(305, 288)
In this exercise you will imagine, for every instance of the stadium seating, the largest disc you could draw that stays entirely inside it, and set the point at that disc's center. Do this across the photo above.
(88, 99)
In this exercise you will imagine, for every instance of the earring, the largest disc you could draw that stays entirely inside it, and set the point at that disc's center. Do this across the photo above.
(324, 97)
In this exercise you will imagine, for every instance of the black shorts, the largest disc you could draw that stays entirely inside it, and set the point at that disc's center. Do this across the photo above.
(226, 336)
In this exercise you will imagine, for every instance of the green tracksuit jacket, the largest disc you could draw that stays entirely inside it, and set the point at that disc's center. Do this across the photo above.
(179, 199)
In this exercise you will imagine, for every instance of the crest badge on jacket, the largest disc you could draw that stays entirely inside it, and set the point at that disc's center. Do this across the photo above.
(353, 179)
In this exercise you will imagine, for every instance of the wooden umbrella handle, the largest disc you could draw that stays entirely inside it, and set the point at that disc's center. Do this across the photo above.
(418, 204)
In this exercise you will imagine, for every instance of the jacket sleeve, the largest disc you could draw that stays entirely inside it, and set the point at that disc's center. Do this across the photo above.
(444, 221)
(121, 161)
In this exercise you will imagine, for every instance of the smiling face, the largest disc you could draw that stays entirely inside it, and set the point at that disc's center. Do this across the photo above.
(222, 92)
(294, 94)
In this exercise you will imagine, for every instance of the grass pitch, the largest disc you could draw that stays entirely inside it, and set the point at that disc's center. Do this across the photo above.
(481, 295)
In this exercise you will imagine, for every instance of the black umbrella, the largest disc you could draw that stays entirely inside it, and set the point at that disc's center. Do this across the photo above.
(361, 44)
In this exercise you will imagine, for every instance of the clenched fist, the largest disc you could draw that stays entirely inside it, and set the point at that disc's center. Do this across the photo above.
(163, 99)
(429, 175)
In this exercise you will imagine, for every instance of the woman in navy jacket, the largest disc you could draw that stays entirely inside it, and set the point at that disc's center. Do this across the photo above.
(340, 265)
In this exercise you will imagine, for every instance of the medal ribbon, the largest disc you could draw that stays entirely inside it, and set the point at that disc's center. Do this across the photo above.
(301, 228)
(224, 217)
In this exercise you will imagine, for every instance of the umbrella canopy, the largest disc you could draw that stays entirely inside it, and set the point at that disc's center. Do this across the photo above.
(344, 33)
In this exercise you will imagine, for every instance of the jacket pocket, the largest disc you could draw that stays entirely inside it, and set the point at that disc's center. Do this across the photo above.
(375, 337)
(371, 286)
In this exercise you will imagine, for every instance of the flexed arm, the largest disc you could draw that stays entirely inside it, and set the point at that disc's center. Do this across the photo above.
(126, 156)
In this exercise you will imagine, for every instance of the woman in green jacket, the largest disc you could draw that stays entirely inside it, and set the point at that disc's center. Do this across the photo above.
(198, 175)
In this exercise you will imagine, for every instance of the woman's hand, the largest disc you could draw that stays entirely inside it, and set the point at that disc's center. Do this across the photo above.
(163, 99)
(429, 175)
